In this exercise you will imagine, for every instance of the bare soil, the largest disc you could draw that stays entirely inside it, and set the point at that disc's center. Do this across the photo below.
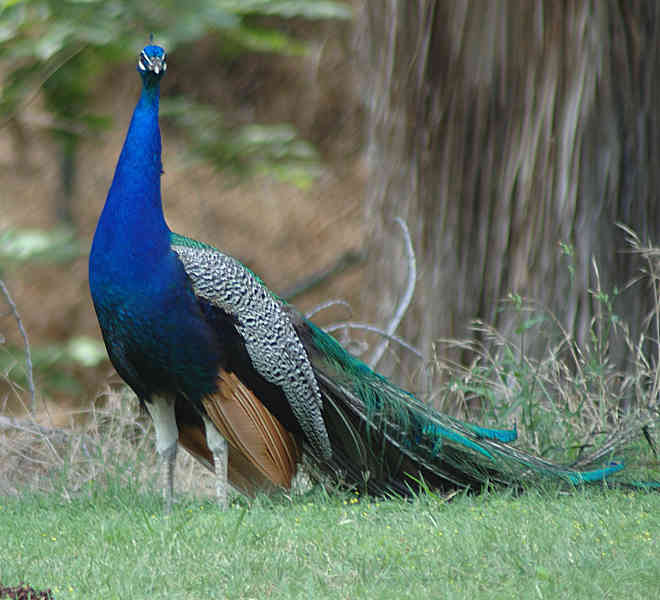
(24, 592)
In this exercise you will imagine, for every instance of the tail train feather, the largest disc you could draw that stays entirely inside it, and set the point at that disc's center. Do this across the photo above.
(386, 440)
(501, 435)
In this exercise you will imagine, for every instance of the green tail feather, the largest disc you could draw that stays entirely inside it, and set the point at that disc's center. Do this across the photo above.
(387, 433)
(437, 433)
(501, 435)
(645, 485)
(578, 477)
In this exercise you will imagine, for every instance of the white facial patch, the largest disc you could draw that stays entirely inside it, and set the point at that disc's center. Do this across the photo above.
(147, 62)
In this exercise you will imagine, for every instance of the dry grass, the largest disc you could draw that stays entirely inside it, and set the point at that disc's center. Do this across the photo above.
(573, 402)
(115, 444)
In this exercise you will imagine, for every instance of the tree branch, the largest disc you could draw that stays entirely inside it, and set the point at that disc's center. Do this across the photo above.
(405, 300)
(328, 304)
(346, 260)
(367, 327)
(28, 355)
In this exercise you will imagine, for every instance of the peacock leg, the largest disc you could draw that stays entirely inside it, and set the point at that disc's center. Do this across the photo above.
(167, 434)
(218, 446)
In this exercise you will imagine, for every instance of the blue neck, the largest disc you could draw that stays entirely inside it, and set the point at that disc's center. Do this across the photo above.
(132, 234)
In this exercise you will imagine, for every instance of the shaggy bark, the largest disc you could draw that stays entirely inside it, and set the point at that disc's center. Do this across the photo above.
(497, 130)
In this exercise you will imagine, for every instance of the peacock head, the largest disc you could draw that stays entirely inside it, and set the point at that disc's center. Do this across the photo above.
(152, 64)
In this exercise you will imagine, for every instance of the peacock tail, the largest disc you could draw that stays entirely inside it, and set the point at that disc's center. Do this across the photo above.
(386, 440)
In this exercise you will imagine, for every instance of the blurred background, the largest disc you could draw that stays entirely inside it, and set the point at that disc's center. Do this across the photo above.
(511, 138)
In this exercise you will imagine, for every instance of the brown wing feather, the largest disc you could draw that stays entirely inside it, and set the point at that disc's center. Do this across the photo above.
(192, 438)
(252, 430)
(242, 474)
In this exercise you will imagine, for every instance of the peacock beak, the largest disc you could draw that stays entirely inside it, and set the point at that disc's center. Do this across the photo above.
(158, 65)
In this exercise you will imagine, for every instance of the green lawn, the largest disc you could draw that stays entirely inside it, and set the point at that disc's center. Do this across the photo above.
(117, 544)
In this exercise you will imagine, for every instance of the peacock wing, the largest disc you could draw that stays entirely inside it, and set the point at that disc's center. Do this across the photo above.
(274, 348)
(242, 474)
(252, 431)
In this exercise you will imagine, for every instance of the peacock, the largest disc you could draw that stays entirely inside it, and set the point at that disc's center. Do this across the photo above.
(245, 383)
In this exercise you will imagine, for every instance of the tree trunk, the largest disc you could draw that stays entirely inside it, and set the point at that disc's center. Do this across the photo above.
(497, 130)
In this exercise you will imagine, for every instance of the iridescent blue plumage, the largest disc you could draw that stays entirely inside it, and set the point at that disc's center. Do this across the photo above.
(215, 356)
(142, 295)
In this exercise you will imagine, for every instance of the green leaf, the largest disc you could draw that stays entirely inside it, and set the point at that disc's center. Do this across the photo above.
(306, 9)
(57, 245)
(87, 351)
(275, 150)
(530, 323)
(266, 40)
(9, 3)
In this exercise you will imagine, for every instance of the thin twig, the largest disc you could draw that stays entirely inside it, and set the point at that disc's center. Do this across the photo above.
(367, 327)
(33, 427)
(28, 355)
(46, 432)
(405, 301)
(345, 261)
(326, 305)
(49, 72)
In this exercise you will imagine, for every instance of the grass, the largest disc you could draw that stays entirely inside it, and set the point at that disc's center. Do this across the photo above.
(114, 542)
